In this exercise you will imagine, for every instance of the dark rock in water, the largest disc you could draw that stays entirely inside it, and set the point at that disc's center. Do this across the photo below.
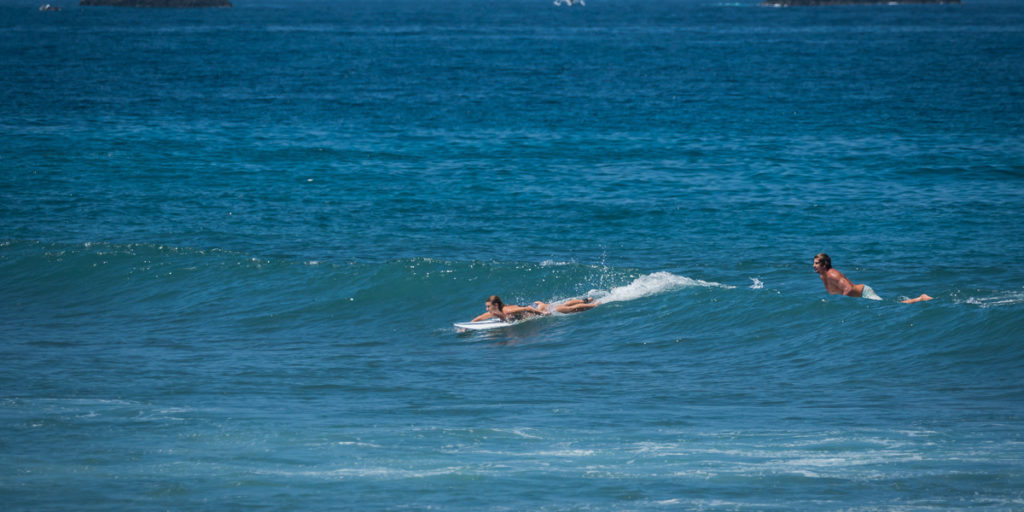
(158, 3)
(797, 3)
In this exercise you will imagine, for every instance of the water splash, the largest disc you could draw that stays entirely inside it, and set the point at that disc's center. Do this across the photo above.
(1008, 298)
(651, 284)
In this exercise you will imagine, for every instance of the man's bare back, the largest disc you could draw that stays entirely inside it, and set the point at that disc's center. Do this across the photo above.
(835, 282)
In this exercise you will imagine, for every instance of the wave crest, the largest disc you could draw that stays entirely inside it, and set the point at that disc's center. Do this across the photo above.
(651, 284)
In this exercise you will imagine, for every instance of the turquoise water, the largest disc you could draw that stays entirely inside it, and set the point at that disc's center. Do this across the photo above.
(233, 243)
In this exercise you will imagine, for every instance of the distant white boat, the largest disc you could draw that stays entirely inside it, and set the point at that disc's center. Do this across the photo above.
(48, 7)
(580, 3)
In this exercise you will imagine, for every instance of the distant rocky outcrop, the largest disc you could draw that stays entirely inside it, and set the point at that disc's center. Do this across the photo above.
(798, 3)
(158, 3)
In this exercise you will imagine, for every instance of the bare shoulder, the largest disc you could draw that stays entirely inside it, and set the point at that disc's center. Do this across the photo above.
(835, 274)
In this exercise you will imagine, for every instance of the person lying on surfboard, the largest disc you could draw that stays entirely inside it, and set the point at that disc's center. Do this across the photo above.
(498, 309)
(837, 284)
(569, 306)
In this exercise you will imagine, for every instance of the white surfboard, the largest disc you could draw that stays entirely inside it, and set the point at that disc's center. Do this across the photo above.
(483, 325)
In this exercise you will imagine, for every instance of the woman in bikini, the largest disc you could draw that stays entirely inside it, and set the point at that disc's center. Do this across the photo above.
(498, 309)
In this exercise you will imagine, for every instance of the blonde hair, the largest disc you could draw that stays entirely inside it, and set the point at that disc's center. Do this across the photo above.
(825, 260)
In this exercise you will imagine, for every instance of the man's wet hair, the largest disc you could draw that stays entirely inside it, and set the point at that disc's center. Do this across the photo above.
(825, 260)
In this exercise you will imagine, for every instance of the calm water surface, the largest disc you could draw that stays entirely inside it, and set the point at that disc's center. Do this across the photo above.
(233, 243)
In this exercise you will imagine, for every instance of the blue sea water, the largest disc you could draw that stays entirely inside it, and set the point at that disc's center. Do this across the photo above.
(233, 243)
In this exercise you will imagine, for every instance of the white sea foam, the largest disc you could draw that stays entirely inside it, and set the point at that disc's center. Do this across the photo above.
(651, 284)
(553, 263)
(375, 473)
(757, 284)
(568, 452)
(358, 443)
(521, 432)
(1009, 298)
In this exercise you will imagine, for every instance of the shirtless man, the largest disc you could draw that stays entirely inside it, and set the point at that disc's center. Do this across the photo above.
(837, 284)
(497, 309)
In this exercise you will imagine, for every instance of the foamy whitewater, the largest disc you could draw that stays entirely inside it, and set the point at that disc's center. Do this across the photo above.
(233, 244)
(647, 285)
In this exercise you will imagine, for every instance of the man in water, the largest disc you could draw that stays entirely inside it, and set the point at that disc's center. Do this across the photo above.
(837, 284)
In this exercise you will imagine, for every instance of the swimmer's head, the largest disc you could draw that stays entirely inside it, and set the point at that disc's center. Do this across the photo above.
(494, 302)
(823, 261)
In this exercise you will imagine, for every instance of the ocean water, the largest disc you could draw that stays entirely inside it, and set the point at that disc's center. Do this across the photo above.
(233, 243)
